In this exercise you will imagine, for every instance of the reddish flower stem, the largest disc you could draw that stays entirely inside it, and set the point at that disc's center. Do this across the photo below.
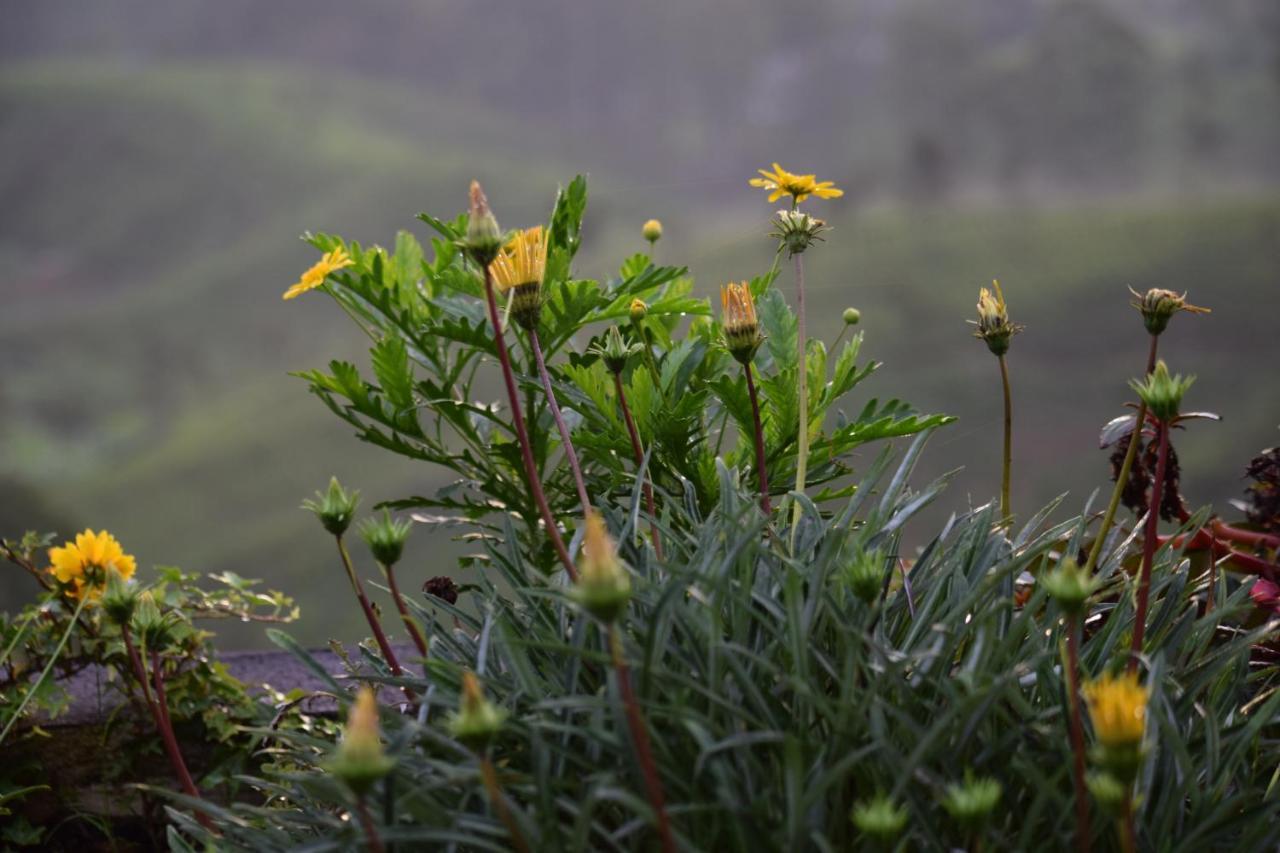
(522, 435)
(409, 625)
(489, 775)
(569, 452)
(640, 739)
(761, 470)
(372, 618)
(1247, 563)
(1077, 733)
(637, 450)
(164, 725)
(370, 830)
(1149, 546)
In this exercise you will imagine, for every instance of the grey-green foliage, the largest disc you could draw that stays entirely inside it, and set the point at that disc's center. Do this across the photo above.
(776, 699)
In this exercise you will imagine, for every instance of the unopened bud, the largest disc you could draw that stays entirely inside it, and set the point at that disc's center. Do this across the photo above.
(1110, 793)
(385, 537)
(971, 803)
(652, 231)
(851, 316)
(360, 760)
(335, 507)
(477, 721)
(484, 237)
(865, 575)
(639, 310)
(880, 818)
(119, 599)
(1158, 306)
(741, 328)
(603, 587)
(614, 350)
(993, 321)
(1162, 392)
(1068, 585)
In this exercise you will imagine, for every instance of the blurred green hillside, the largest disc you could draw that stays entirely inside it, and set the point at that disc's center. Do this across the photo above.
(151, 221)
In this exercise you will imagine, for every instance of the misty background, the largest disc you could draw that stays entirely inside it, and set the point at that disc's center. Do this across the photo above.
(160, 160)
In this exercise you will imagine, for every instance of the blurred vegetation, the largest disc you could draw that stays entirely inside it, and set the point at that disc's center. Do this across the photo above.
(158, 159)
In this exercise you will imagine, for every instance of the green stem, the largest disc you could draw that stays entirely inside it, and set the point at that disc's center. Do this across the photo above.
(1077, 732)
(802, 366)
(761, 469)
(646, 355)
(569, 452)
(66, 635)
(640, 740)
(638, 450)
(1007, 469)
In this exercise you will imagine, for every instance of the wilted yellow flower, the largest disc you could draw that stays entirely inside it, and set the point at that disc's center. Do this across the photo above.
(993, 320)
(83, 564)
(1158, 305)
(311, 279)
(741, 328)
(1117, 709)
(780, 182)
(603, 584)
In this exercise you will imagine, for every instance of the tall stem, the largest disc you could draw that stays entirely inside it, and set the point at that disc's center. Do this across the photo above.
(638, 450)
(640, 740)
(490, 777)
(761, 470)
(372, 618)
(802, 366)
(1149, 546)
(1006, 476)
(409, 625)
(1135, 438)
(1077, 732)
(1128, 833)
(569, 452)
(522, 435)
(164, 725)
(370, 830)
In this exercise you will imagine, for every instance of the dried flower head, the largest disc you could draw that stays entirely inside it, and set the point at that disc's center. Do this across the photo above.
(520, 268)
(603, 587)
(443, 588)
(993, 320)
(319, 272)
(797, 230)
(84, 566)
(741, 328)
(780, 182)
(1158, 306)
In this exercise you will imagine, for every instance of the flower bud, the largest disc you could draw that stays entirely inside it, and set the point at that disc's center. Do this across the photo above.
(970, 803)
(741, 328)
(603, 587)
(879, 818)
(385, 537)
(851, 316)
(652, 231)
(993, 321)
(638, 310)
(1158, 306)
(797, 230)
(154, 627)
(614, 350)
(1068, 585)
(484, 237)
(119, 599)
(477, 721)
(360, 760)
(335, 507)
(1162, 392)
(865, 575)
(1109, 792)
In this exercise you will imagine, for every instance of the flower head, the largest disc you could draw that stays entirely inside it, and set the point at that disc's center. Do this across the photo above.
(520, 268)
(83, 567)
(741, 328)
(797, 230)
(1158, 306)
(603, 587)
(361, 760)
(652, 231)
(1162, 391)
(993, 320)
(1118, 710)
(332, 261)
(1069, 585)
(780, 182)
(851, 316)
(639, 310)
(334, 507)
(385, 537)
(477, 721)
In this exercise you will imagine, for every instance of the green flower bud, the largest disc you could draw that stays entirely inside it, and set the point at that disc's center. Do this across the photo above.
(638, 310)
(1108, 791)
(851, 316)
(154, 627)
(119, 599)
(478, 721)
(879, 818)
(385, 537)
(614, 350)
(741, 328)
(1158, 306)
(652, 231)
(360, 760)
(335, 508)
(484, 237)
(865, 575)
(971, 803)
(1068, 585)
(603, 587)
(1162, 392)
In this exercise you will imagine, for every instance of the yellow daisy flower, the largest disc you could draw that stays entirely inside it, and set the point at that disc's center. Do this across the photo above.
(523, 261)
(311, 279)
(1117, 709)
(780, 182)
(82, 565)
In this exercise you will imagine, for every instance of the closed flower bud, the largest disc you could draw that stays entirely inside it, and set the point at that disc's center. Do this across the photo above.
(993, 321)
(484, 237)
(638, 310)
(1158, 306)
(603, 587)
(851, 316)
(154, 627)
(119, 599)
(971, 803)
(879, 818)
(614, 351)
(1162, 392)
(360, 760)
(1109, 792)
(865, 575)
(652, 231)
(385, 537)
(797, 230)
(1068, 585)
(335, 507)
(477, 721)
(741, 328)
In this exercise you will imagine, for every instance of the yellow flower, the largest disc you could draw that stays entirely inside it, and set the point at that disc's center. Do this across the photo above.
(311, 279)
(523, 261)
(82, 565)
(780, 182)
(1117, 709)
(652, 230)
(741, 328)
